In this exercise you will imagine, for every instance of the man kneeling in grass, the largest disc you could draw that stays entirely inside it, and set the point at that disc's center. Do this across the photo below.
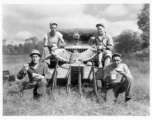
(117, 74)
(38, 73)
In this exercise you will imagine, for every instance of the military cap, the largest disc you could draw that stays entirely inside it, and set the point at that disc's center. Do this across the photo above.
(100, 24)
(116, 55)
(52, 23)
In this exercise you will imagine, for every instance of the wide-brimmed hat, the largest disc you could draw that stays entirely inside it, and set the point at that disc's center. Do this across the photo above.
(34, 51)
(100, 24)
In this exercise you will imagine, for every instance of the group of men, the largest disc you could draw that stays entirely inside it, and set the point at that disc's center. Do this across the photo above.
(114, 71)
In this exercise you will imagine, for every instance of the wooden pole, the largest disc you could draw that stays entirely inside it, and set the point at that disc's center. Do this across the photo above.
(54, 81)
(95, 82)
(69, 80)
(79, 82)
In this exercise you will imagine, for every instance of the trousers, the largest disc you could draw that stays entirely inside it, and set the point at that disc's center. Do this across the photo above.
(39, 87)
(126, 85)
(46, 53)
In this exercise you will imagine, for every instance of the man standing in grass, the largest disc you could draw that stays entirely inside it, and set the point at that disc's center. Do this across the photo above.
(52, 40)
(104, 45)
(38, 74)
(117, 74)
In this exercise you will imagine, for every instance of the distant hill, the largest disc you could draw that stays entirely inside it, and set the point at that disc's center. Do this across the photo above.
(81, 31)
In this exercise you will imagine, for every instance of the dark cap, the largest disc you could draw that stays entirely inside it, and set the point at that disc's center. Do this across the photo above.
(53, 24)
(100, 24)
(116, 55)
(34, 51)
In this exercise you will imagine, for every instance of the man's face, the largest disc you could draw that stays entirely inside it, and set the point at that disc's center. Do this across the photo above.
(101, 30)
(35, 58)
(116, 60)
(53, 28)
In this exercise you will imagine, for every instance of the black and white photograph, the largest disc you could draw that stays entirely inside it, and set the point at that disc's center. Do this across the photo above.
(75, 59)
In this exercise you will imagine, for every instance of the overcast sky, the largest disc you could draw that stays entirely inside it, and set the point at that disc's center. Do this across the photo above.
(21, 21)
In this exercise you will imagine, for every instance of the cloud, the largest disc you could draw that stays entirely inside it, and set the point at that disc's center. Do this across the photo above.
(19, 19)
(5, 35)
(42, 11)
(23, 17)
(115, 28)
(134, 7)
(22, 35)
(116, 11)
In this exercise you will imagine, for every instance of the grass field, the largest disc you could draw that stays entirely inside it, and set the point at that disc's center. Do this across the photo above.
(62, 104)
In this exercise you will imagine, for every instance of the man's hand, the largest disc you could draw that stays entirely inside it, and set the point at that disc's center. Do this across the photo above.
(100, 48)
(38, 76)
(94, 48)
(106, 77)
(53, 47)
(25, 67)
(109, 47)
(121, 72)
(63, 44)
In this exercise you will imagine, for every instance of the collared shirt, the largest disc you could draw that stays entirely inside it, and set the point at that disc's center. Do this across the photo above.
(110, 70)
(52, 40)
(105, 41)
(41, 69)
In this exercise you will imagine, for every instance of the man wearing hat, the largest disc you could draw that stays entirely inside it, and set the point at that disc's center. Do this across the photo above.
(104, 45)
(119, 75)
(52, 40)
(38, 73)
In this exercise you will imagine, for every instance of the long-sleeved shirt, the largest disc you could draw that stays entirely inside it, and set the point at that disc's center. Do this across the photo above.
(111, 70)
(105, 41)
(41, 69)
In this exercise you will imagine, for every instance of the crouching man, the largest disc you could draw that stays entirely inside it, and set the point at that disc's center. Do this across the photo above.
(119, 75)
(38, 73)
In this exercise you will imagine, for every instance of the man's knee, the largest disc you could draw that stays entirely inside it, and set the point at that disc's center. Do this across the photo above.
(100, 54)
(130, 80)
(44, 82)
(46, 52)
(107, 53)
(108, 58)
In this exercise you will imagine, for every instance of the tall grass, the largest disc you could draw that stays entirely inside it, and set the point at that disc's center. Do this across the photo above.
(63, 104)
(140, 71)
(14, 63)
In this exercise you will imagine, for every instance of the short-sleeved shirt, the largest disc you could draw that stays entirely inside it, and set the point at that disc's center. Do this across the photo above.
(41, 69)
(110, 70)
(52, 40)
(105, 41)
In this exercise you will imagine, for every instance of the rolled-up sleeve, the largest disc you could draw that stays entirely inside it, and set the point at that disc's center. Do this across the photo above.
(127, 71)
(21, 74)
